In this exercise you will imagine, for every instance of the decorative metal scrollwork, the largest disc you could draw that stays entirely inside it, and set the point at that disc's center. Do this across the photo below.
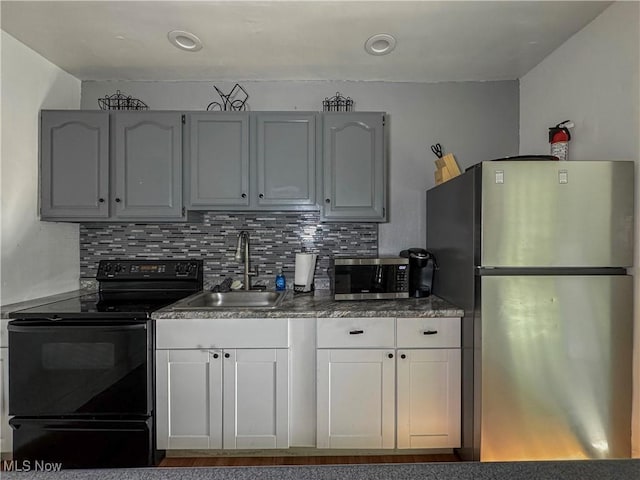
(119, 101)
(337, 103)
(234, 101)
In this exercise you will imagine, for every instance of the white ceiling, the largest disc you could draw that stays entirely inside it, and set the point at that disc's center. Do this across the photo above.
(296, 40)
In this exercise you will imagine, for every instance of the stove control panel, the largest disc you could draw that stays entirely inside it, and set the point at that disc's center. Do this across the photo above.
(149, 269)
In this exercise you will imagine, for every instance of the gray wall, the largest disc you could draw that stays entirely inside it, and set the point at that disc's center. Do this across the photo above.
(474, 120)
(38, 258)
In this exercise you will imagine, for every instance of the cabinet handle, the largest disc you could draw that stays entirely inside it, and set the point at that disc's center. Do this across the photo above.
(356, 332)
(390, 355)
(101, 200)
(327, 200)
(261, 195)
(118, 200)
(215, 355)
(244, 195)
(226, 355)
(403, 356)
(430, 332)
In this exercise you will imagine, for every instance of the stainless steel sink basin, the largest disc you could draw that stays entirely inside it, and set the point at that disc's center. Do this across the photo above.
(237, 299)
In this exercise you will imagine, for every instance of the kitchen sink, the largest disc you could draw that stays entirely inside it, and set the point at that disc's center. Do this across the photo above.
(237, 299)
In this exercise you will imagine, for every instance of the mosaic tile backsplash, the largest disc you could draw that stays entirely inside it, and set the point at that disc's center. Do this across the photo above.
(275, 238)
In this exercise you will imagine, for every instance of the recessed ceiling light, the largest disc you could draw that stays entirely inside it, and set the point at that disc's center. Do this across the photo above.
(380, 44)
(184, 40)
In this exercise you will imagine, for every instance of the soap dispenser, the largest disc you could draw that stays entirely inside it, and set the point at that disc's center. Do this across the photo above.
(281, 282)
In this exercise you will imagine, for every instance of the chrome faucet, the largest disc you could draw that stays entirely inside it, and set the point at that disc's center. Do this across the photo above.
(242, 254)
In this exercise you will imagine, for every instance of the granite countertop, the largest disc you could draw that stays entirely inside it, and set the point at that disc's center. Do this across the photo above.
(556, 470)
(322, 304)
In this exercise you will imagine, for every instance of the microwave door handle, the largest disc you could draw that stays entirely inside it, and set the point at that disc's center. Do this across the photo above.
(378, 280)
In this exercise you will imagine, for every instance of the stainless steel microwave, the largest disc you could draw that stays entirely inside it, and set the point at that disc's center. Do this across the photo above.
(369, 278)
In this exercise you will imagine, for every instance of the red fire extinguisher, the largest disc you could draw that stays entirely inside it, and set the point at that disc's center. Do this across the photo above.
(559, 137)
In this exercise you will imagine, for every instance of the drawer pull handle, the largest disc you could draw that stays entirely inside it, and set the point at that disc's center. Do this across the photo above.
(430, 332)
(356, 332)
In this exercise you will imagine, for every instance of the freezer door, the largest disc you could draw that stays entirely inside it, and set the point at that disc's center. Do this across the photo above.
(557, 214)
(556, 367)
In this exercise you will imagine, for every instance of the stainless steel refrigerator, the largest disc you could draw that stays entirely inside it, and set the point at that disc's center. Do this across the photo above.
(536, 252)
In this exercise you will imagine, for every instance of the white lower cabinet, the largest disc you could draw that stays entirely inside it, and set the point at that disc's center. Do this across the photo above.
(356, 382)
(227, 398)
(356, 405)
(379, 383)
(429, 398)
(189, 399)
(209, 396)
(384, 378)
(255, 396)
(429, 382)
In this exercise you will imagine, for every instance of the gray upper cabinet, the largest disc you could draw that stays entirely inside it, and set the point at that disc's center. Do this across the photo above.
(74, 165)
(286, 159)
(115, 166)
(354, 167)
(128, 165)
(251, 161)
(147, 166)
(218, 166)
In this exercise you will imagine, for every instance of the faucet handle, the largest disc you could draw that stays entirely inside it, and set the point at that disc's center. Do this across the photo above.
(255, 273)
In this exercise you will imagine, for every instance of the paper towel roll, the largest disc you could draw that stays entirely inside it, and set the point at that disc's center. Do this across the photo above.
(304, 270)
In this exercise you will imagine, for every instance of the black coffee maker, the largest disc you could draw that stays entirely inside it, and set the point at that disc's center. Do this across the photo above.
(421, 267)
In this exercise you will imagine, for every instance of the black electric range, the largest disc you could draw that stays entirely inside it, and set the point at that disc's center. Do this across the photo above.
(128, 289)
(81, 370)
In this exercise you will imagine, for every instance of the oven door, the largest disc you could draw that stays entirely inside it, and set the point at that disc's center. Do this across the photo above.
(74, 368)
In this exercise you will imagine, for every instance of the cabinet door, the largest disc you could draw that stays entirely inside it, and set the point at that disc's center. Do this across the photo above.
(354, 167)
(5, 430)
(256, 398)
(429, 398)
(147, 169)
(356, 390)
(189, 399)
(286, 159)
(74, 165)
(218, 159)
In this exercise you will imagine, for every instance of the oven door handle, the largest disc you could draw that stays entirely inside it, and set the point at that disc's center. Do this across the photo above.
(32, 327)
(84, 428)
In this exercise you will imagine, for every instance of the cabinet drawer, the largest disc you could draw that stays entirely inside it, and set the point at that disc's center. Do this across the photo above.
(222, 333)
(428, 332)
(366, 332)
